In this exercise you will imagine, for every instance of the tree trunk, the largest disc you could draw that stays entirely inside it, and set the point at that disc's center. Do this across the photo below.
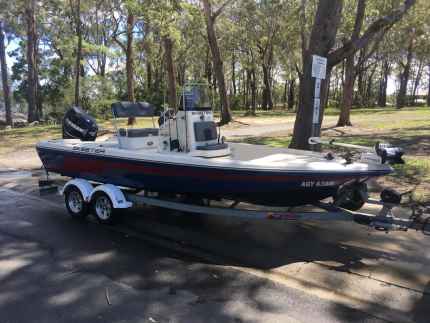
(148, 75)
(171, 73)
(369, 99)
(217, 62)
(182, 73)
(285, 94)
(382, 96)
(348, 94)
(39, 98)
(208, 67)
(428, 90)
(291, 99)
(78, 51)
(404, 77)
(417, 81)
(31, 60)
(233, 73)
(246, 88)
(322, 40)
(253, 92)
(267, 91)
(129, 63)
(5, 80)
(350, 70)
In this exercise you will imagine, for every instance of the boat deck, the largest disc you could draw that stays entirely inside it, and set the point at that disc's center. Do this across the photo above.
(241, 152)
(249, 152)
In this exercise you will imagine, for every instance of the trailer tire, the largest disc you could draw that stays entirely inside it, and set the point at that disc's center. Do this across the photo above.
(103, 208)
(351, 197)
(75, 203)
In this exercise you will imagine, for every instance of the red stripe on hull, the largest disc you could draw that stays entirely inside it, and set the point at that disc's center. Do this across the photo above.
(99, 166)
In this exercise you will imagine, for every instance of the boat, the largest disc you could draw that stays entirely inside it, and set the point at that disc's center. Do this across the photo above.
(187, 155)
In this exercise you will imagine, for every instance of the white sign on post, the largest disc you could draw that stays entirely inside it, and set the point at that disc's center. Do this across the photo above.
(316, 116)
(319, 67)
(319, 70)
(317, 88)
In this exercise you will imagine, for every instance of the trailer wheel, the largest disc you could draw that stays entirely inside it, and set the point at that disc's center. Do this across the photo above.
(351, 197)
(103, 208)
(75, 203)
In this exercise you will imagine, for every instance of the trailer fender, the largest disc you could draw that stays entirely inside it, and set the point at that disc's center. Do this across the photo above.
(115, 194)
(83, 186)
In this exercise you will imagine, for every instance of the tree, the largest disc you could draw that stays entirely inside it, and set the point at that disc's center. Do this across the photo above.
(428, 87)
(383, 82)
(218, 64)
(78, 66)
(350, 69)
(164, 16)
(143, 50)
(405, 73)
(171, 71)
(5, 79)
(129, 65)
(128, 50)
(31, 61)
(321, 42)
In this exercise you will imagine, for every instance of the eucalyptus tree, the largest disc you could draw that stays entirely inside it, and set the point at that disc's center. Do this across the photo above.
(123, 14)
(359, 64)
(218, 64)
(75, 8)
(31, 60)
(385, 55)
(322, 40)
(407, 35)
(246, 48)
(271, 15)
(5, 78)
(164, 16)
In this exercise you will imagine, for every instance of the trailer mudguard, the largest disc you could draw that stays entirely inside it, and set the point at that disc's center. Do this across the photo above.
(115, 194)
(83, 186)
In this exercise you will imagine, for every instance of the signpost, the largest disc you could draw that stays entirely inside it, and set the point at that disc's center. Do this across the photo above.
(319, 70)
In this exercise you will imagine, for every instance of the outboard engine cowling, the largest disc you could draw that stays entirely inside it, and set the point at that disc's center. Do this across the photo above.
(390, 154)
(78, 124)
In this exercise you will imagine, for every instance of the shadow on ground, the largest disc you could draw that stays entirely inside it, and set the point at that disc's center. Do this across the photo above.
(67, 268)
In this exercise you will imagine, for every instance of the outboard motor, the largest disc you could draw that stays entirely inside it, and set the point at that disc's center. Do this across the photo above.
(78, 124)
(390, 154)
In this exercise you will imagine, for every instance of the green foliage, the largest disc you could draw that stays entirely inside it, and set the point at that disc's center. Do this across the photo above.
(251, 33)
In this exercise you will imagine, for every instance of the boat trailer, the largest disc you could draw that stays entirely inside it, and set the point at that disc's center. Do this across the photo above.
(106, 200)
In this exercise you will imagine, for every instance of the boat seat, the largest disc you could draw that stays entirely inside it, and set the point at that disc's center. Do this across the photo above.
(213, 147)
(140, 132)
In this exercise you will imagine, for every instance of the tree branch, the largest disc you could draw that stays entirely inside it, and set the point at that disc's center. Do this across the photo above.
(119, 43)
(115, 35)
(95, 70)
(375, 46)
(220, 9)
(302, 28)
(361, 9)
(386, 22)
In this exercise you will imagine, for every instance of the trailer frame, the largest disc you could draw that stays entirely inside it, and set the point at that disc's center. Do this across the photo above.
(124, 198)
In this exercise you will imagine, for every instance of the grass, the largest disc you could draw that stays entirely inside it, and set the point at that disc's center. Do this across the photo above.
(17, 139)
(270, 141)
(330, 111)
(415, 175)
